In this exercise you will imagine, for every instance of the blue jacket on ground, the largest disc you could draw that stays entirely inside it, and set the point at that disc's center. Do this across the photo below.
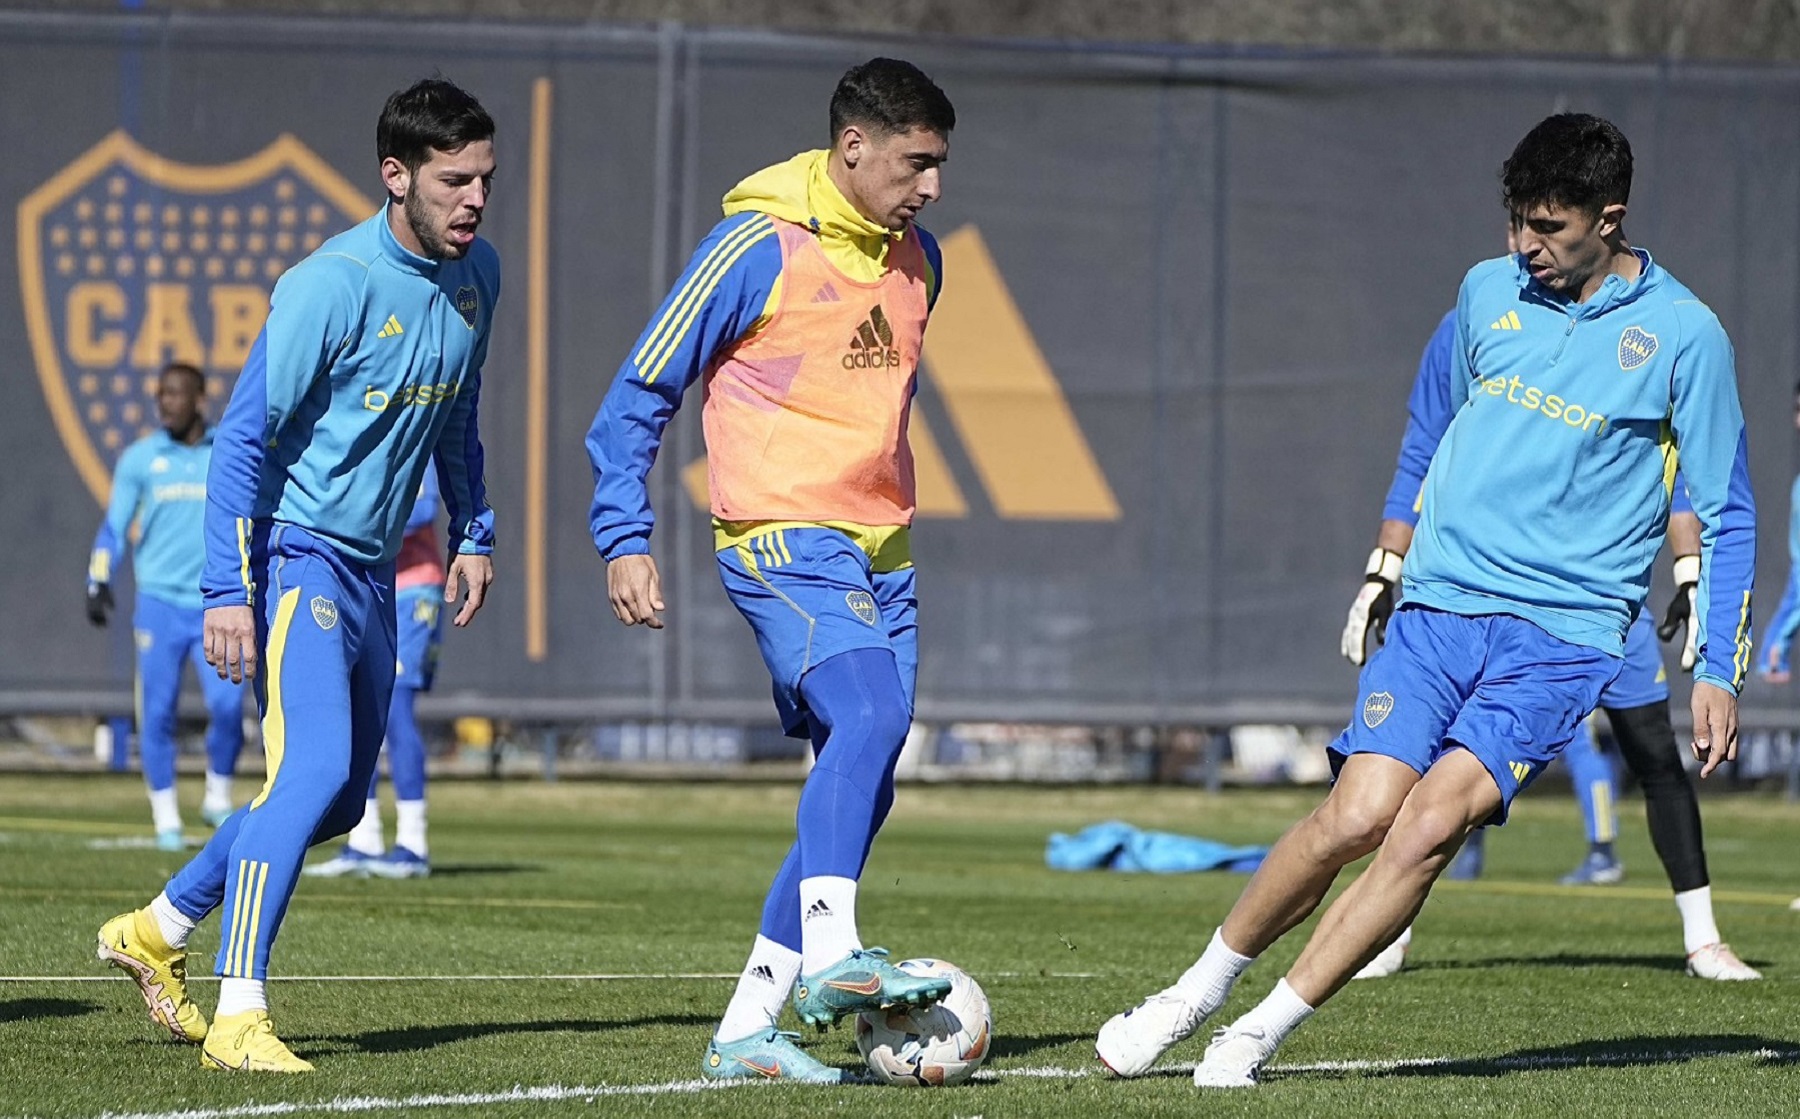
(369, 363)
(1549, 493)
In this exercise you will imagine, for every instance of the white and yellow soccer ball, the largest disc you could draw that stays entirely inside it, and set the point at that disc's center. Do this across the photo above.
(939, 1045)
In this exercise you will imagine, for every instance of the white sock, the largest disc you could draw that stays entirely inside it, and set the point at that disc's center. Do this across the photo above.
(1404, 939)
(165, 810)
(174, 924)
(237, 996)
(762, 990)
(1275, 1017)
(1698, 929)
(827, 921)
(409, 826)
(366, 835)
(218, 790)
(1209, 982)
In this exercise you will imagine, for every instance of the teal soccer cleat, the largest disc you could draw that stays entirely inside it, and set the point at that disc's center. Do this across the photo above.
(863, 980)
(770, 1055)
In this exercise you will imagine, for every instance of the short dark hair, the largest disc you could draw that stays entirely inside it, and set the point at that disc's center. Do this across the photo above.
(430, 115)
(889, 96)
(188, 369)
(1573, 160)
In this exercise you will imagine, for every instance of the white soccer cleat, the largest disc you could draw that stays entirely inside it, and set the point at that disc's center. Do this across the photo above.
(1389, 962)
(1232, 1060)
(1131, 1042)
(1718, 961)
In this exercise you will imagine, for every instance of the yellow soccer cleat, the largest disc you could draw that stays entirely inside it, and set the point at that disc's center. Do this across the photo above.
(247, 1043)
(132, 943)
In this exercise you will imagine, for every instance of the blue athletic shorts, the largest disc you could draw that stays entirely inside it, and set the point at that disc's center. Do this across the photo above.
(1642, 681)
(419, 631)
(809, 594)
(1496, 685)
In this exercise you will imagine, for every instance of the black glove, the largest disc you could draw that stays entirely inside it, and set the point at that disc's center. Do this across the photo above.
(99, 603)
(1680, 615)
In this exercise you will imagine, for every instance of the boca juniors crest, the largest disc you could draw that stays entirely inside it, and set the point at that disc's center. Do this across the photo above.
(128, 261)
(1636, 346)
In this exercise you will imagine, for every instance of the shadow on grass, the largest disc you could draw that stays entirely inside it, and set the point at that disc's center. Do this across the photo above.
(454, 870)
(416, 1038)
(1006, 1046)
(1624, 1052)
(1667, 962)
(28, 1010)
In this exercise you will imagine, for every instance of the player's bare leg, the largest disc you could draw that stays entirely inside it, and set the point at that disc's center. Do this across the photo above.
(1289, 885)
(1352, 821)
(1454, 798)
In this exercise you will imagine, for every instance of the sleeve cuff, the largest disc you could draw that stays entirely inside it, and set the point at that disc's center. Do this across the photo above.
(630, 546)
(1716, 681)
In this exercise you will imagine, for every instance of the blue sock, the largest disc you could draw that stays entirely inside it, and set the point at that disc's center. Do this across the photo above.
(1596, 788)
(857, 696)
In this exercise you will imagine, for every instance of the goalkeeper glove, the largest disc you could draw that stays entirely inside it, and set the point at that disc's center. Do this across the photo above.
(1373, 606)
(1680, 615)
(99, 602)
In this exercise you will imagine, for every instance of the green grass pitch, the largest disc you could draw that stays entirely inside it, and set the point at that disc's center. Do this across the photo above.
(1522, 998)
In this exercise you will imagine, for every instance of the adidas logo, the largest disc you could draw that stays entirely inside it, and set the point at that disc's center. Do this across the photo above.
(1520, 770)
(1508, 321)
(763, 972)
(826, 294)
(391, 329)
(872, 347)
(818, 909)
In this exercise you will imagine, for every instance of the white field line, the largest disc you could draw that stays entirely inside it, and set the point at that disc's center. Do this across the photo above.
(596, 977)
(344, 1105)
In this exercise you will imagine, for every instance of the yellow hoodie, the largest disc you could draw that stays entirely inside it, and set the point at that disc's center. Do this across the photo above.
(798, 190)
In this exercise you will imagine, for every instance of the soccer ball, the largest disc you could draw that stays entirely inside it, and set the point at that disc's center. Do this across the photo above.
(939, 1045)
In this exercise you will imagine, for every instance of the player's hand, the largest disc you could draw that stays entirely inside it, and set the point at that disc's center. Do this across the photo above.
(1373, 606)
(476, 572)
(1715, 726)
(635, 590)
(1680, 615)
(229, 633)
(99, 603)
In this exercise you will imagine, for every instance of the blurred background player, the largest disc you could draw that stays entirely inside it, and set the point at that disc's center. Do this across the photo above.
(1636, 703)
(805, 311)
(314, 477)
(159, 485)
(419, 632)
(1778, 639)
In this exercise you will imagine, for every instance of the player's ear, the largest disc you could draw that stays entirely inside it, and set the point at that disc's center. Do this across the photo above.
(396, 178)
(1611, 219)
(851, 142)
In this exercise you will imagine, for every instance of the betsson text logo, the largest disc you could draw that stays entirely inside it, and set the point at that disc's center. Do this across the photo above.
(1548, 405)
(873, 345)
(410, 396)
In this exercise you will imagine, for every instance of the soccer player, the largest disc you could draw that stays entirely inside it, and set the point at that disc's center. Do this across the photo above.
(160, 485)
(369, 363)
(1540, 519)
(418, 580)
(1778, 639)
(1636, 703)
(804, 311)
